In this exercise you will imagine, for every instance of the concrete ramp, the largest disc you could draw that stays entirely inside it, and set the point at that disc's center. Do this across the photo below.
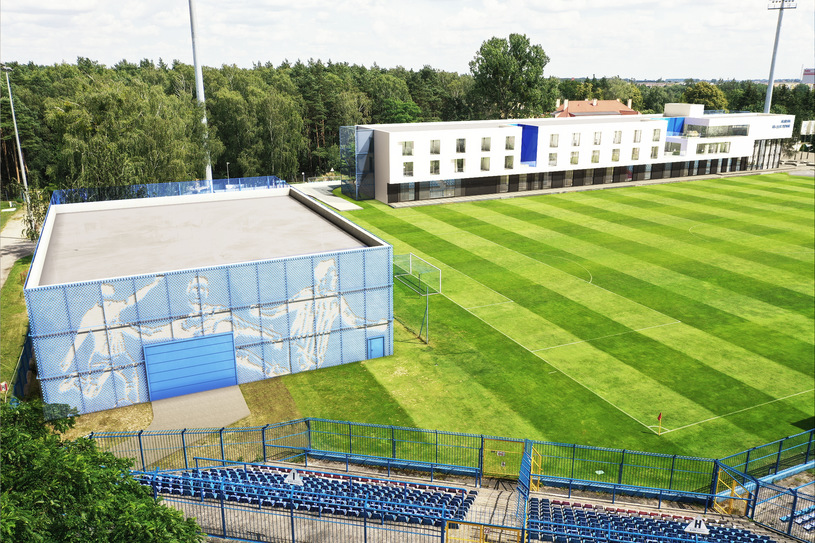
(209, 409)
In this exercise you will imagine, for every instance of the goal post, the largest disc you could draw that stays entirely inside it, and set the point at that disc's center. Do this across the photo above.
(418, 274)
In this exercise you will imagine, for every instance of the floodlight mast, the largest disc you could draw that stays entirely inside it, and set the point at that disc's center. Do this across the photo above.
(199, 87)
(780, 5)
(6, 69)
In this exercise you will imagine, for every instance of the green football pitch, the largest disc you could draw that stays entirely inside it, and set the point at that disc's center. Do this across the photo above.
(580, 317)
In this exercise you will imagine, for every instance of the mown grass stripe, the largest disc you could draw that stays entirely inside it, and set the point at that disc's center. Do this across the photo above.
(685, 234)
(794, 198)
(739, 201)
(754, 199)
(770, 293)
(785, 180)
(589, 254)
(761, 340)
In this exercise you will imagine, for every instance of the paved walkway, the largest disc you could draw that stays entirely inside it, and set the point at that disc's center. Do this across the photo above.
(13, 245)
(209, 409)
(322, 191)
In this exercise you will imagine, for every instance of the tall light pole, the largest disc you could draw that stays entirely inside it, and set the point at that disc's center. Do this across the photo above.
(227, 173)
(780, 5)
(199, 86)
(6, 69)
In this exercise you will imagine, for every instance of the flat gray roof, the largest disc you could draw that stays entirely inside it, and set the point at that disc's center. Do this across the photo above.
(130, 237)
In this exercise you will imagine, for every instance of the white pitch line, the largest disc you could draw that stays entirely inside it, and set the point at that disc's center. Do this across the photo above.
(489, 305)
(629, 415)
(610, 335)
(664, 431)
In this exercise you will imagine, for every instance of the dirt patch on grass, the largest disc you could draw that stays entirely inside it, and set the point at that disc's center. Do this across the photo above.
(269, 401)
(121, 419)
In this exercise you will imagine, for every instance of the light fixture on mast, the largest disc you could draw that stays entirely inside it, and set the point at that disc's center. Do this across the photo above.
(780, 5)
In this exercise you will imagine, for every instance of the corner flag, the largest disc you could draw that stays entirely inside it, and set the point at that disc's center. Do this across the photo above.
(659, 418)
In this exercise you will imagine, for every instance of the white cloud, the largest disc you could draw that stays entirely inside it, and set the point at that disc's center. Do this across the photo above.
(632, 38)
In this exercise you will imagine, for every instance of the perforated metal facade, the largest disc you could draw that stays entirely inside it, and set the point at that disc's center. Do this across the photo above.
(286, 315)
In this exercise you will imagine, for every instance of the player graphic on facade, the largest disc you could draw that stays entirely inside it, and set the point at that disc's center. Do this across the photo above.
(101, 348)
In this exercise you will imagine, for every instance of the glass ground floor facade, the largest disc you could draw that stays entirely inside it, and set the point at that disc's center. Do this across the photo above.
(766, 154)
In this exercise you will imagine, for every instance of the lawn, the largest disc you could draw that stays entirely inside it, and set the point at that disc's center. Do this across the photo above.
(580, 317)
(13, 320)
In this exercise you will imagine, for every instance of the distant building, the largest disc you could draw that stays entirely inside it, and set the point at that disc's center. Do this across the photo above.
(420, 161)
(579, 108)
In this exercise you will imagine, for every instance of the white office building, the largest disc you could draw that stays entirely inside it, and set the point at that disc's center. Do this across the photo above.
(407, 162)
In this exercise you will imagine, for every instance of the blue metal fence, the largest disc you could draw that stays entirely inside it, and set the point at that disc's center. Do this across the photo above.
(153, 190)
(23, 367)
(429, 453)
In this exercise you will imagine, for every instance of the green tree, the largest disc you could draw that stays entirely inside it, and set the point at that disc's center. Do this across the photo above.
(70, 491)
(705, 93)
(508, 79)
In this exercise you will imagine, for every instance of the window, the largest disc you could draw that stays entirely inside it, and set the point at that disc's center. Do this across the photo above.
(485, 144)
(598, 136)
(509, 162)
(553, 159)
(655, 152)
(435, 147)
(615, 155)
(657, 134)
(553, 140)
(434, 167)
(673, 148)
(595, 157)
(700, 148)
(407, 169)
(461, 145)
(576, 139)
(724, 147)
(510, 146)
(485, 163)
(618, 136)
(635, 153)
(407, 148)
(637, 136)
(459, 165)
(575, 156)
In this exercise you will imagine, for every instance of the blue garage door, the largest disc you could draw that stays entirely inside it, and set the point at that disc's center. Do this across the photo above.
(190, 365)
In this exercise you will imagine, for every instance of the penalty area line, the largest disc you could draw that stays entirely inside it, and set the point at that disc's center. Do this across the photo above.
(629, 415)
(664, 431)
(608, 336)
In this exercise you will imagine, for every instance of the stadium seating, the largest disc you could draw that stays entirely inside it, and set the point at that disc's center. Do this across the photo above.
(565, 522)
(321, 493)
(804, 517)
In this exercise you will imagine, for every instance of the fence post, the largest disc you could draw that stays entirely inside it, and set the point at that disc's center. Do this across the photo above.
(574, 452)
(223, 453)
(350, 440)
(393, 443)
(480, 459)
(747, 462)
(437, 449)
(673, 466)
(141, 451)
(291, 513)
(809, 446)
(263, 442)
(308, 432)
(715, 480)
(223, 509)
(184, 447)
(620, 475)
(792, 510)
(780, 450)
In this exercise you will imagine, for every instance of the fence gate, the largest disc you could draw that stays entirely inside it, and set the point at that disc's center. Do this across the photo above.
(502, 458)
(537, 460)
(479, 533)
(731, 497)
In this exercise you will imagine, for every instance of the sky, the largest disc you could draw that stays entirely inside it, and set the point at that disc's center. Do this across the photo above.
(701, 39)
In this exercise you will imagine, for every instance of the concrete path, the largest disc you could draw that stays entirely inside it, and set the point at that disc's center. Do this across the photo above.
(322, 191)
(209, 409)
(13, 245)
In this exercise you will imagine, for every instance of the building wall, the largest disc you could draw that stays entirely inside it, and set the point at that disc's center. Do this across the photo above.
(582, 144)
(286, 315)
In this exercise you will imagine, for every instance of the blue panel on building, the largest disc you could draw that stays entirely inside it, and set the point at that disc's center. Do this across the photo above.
(190, 365)
(529, 145)
(675, 125)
